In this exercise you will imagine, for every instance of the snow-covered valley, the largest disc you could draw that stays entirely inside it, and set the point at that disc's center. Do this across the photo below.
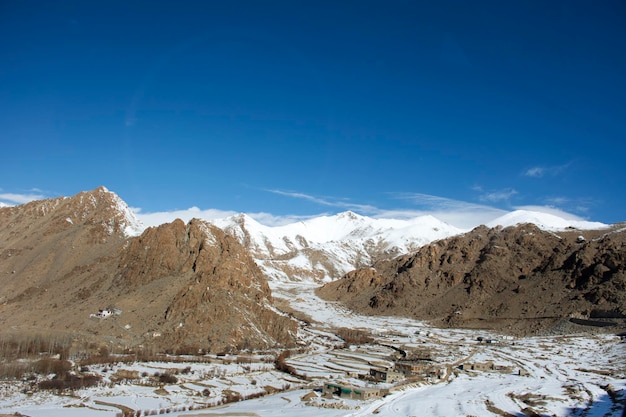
(577, 375)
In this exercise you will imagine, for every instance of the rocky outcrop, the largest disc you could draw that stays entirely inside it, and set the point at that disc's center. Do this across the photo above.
(221, 300)
(175, 287)
(517, 278)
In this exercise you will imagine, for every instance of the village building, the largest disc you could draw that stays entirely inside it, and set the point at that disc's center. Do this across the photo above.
(477, 366)
(102, 314)
(106, 313)
(349, 391)
(413, 368)
(485, 366)
(386, 375)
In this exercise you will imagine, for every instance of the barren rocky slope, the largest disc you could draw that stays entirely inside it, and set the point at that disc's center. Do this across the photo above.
(176, 287)
(519, 279)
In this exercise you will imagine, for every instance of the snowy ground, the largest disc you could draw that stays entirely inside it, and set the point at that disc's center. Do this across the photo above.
(577, 375)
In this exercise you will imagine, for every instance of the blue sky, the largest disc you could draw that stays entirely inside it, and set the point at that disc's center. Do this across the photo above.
(296, 108)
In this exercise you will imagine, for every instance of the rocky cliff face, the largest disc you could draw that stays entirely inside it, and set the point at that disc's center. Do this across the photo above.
(177, 286)
(517, 278)
(218, 296)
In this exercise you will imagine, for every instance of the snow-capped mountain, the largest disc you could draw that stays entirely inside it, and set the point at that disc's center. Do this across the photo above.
(325, 248)
(132, 226)
(317, 250)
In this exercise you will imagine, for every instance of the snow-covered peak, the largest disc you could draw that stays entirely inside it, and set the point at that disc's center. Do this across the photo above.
(545, 221)
(103, 205)
(133, 226)
(326, 247)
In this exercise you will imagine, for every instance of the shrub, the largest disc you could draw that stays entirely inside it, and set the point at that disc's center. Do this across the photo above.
(354, 336)
(13, 370)
(52, 366)
(70, 382)
(167, 378)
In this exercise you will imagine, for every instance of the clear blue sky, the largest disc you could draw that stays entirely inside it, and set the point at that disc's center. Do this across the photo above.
(307, 107)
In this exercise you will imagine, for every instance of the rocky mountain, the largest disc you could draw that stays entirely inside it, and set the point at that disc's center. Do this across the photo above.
(324, 248)
(518, 279)
(78, 266)
(85, 266)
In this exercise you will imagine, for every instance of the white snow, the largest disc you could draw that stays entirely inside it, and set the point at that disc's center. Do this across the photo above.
(562, 375)
(544, 221)
(132, 225)
(325, 248)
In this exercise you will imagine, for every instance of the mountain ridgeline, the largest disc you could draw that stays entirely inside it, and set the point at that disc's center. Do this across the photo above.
(83, 266)
(518, 279)
(325, 248)
(176, 287)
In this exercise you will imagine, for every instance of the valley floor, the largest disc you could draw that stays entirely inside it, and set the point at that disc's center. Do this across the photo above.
(574, 375)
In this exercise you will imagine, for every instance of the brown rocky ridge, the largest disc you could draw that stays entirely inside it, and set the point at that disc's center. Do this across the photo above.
(177, 287)
(517, 279)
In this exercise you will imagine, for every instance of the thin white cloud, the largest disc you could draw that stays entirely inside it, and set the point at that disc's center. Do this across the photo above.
(498, 196)
(557, 201)
(269, 219)
(577, 205)
(301, 196)
(17, 198)
(363, 208)
(161, 217)
(458, 213)
(541, 171)
(461, 214)
(535, 172)
(431, 202)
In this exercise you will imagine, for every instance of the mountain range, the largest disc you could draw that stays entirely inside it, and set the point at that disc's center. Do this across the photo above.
(518, 279)
(79, 266)
(85, 266)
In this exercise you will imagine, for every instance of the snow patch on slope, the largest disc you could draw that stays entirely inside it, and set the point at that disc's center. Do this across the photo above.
(132, 225)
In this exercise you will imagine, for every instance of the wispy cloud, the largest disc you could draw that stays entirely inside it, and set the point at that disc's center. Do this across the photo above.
(498, 196)
(21, 198)
(269, 219)
(577, 205)
(459, 213)
(541, 171)
(433, 202)
(161, 217)
(535, 172)
(157, 218)
(326, 201)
